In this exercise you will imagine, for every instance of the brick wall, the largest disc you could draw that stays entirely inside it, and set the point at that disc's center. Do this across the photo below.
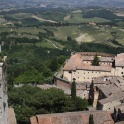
(62, 84)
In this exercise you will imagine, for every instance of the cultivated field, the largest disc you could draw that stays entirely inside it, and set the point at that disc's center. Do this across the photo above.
(84, 38)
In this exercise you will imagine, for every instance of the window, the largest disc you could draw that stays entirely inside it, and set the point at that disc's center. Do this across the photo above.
(122, 67)
(69, 72)
(121, 72)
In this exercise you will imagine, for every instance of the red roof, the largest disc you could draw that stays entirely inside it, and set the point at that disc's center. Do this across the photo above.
(100, 117)
(76, 63)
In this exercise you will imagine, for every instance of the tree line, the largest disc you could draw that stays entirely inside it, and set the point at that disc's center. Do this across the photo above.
(29, 101)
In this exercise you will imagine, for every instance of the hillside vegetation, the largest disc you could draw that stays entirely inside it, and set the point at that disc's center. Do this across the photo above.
(37, 42)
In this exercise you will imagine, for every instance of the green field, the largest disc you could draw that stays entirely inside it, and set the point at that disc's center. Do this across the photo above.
(80, 33)
(78, 18)
(32, 30)
(21, 15)
(45, 44)
(4, 29)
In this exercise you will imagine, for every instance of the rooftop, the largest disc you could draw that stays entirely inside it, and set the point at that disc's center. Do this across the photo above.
(110, 89)
(109, 85)
(118, 96)
(76, 61)
(100, 117)
(119, 60)
(102, 59)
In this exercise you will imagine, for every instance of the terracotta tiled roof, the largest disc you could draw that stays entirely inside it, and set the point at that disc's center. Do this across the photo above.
(100, 117)
(94, 68)
(76, 62)
(119, 60)
(33, 120)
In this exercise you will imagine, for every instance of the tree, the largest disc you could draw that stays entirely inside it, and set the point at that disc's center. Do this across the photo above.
(95, 61)
(46, 72)
(80, 104)
(91, 121)
(54, 64)
(69, 38)
(25, 113)
(73, 90)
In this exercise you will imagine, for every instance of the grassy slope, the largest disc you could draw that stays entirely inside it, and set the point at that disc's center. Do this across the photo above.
(77, 18)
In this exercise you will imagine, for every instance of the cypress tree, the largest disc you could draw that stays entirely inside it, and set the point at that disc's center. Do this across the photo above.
(91, 121)
(73, 90)
(95, 61)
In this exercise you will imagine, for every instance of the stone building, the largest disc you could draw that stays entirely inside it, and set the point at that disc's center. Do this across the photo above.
(82, 89)
(108, 95)
(109, 103)
(80, 67)
(108, 92)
